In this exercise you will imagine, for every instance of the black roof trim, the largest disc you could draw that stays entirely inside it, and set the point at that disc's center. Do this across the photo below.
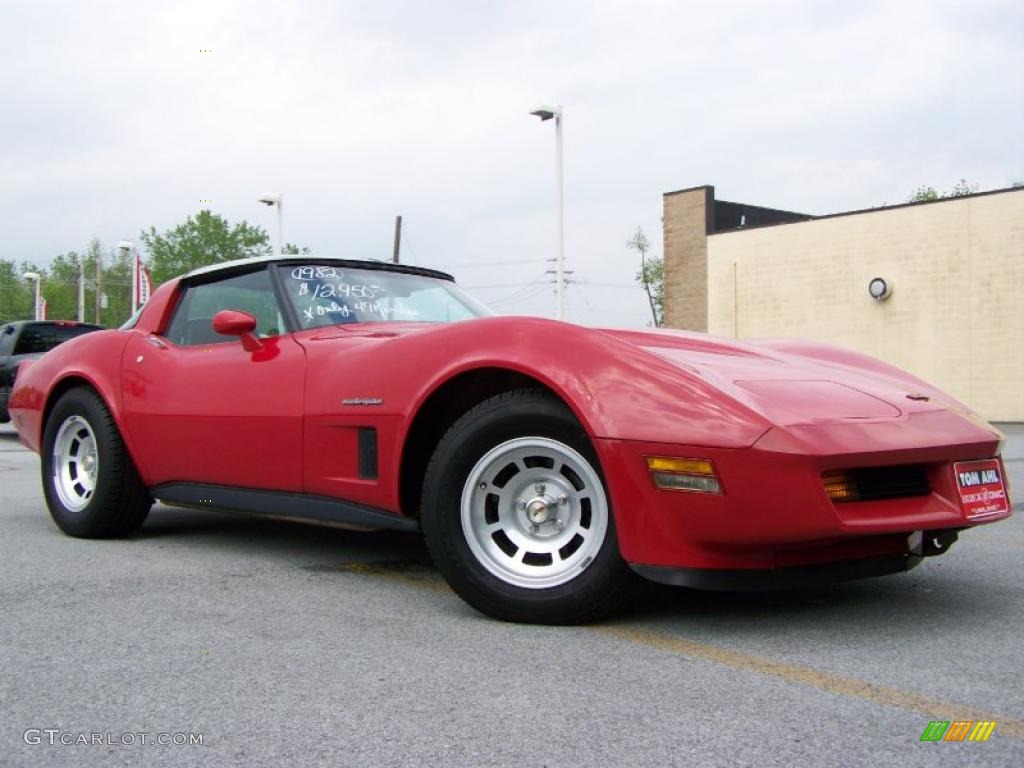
(766, 208)
(251, 265)
(860, 211)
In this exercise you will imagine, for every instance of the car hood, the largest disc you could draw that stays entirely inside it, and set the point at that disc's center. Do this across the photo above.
(790, 388)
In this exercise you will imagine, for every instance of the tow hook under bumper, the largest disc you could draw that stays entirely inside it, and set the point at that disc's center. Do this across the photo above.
(931, 543)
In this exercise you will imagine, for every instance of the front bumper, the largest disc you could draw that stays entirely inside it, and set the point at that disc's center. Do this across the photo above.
(774, 512)
(796, 576)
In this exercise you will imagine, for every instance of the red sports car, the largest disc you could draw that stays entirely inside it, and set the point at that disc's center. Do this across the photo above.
(545, 463)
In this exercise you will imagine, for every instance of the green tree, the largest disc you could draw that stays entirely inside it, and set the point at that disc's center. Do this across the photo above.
(927, 194)
(651, 275)
(61, 288)
(115, 284)
(293, 250)
(205, 239)
(17, 300)
(88, 260)
(60, 285)
(923, 195)
(962, 188)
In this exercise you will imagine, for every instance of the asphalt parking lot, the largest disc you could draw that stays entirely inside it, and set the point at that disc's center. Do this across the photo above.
(281, 644)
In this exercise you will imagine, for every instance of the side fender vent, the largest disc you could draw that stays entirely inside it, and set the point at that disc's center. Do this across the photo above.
(367, 453)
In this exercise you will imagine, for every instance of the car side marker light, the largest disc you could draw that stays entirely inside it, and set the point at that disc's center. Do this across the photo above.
(683, 474)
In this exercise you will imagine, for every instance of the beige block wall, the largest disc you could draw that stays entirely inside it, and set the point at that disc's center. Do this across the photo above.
(684, 224)
(956, 314)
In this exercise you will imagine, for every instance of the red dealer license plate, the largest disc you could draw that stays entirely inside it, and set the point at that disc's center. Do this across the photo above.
(981, 487)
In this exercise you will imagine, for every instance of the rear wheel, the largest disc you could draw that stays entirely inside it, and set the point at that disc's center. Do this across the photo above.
(516, 515)
(90, 483)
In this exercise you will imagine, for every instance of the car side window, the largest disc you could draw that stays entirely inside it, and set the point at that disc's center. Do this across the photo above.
(192, 324)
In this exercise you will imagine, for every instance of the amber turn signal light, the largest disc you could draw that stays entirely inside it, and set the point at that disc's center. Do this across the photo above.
(683, 474)
(840, 486)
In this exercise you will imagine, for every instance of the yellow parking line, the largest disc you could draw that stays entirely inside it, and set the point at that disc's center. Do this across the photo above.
(933, 709)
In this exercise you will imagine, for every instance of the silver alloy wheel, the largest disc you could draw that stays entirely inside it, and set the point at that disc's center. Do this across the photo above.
(75, 463)
(534, 512)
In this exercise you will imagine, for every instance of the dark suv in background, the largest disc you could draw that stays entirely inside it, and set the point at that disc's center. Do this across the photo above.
(27, 340)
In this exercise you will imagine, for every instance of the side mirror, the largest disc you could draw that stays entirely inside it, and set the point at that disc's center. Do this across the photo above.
(231, 322)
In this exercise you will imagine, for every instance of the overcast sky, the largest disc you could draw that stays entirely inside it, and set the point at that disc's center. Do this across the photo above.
(113, 120)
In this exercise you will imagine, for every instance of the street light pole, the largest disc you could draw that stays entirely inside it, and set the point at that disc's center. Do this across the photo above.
(39, 296)
(277, 200)
(560, 264)
(280, 224)
(81, 289)
(79, 262)
(129, 248)
(99, 280)
(546, 113)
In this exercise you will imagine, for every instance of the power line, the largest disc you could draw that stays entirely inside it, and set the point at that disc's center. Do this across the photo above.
(608, 285)
(408, 243)
(605, 311)
(583, 296)
(535, 281)
(521, 295)
(538, 282)
(494, 285)
(512, 262)
(512, 304)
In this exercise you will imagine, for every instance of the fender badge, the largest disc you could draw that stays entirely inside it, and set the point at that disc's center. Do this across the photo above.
(362, 401)
(916, 396)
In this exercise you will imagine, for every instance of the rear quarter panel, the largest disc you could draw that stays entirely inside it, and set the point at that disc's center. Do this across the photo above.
(94, 358)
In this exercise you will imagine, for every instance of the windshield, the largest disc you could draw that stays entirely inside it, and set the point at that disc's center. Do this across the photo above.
(330, 295)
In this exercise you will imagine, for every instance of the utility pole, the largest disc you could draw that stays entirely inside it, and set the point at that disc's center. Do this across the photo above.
(398, 239)
(80, 263)
(99, 271)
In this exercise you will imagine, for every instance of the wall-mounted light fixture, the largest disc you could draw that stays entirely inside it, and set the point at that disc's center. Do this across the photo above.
(879, 288)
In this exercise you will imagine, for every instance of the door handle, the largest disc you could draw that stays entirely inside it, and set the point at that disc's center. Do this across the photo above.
(156, 342)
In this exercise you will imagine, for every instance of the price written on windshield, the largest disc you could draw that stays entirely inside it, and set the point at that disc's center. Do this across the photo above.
(341, 290)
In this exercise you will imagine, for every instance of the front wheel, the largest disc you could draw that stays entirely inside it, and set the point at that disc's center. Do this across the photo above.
(90, 483)
(516, 515)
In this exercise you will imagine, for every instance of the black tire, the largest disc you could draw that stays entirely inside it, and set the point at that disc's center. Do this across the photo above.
(594, 587)
(118, 502)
